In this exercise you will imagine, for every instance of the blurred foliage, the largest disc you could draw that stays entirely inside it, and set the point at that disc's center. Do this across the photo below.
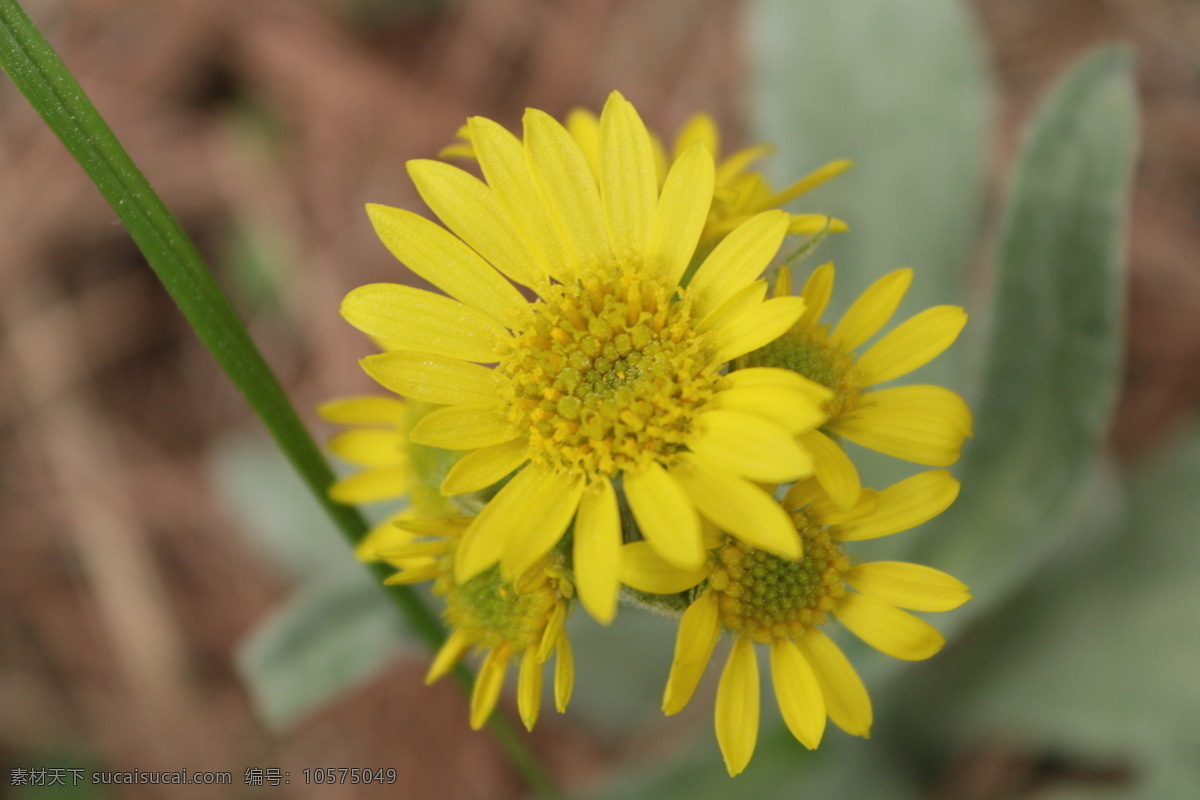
(1094, 660)
(337, 627)
(1053, 364)
(328, 636)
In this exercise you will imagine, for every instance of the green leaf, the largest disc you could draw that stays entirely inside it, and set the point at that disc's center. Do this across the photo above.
(330, 636)
(1053, 364)
(276, 510)
(900, 87)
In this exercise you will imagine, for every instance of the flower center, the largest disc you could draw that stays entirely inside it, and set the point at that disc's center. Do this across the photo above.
(809, 353)
(609, 375)
(493, 614)
(767, 597)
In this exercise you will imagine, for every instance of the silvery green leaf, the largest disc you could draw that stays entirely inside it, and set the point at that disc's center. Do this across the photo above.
(900, 87)
(276, 510)
(1052, 367)
(329, 636)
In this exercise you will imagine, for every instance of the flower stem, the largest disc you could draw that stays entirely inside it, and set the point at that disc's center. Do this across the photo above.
(54, 93)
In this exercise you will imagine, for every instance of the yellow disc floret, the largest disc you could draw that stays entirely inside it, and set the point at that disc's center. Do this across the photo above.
(768, 598)
(609, 376)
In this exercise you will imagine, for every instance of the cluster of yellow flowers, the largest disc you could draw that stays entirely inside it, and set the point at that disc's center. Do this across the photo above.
(605, 403)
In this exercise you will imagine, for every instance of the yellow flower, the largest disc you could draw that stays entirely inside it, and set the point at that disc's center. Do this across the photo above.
(739, 192)
(757, 597)
(394, 468)
(613, 374)
(507, 619)
(922, 424)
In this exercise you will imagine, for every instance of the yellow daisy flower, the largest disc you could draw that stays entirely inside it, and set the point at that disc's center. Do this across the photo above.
(759, 598)
(378, 442)
(612, 377)
(922, 424)
(506, 619)
(738, 191)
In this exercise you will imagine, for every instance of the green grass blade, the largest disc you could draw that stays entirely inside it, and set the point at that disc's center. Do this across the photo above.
(55, 94)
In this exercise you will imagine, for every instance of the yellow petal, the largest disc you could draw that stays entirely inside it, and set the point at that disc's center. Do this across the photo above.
(802, 493)
(791, 409)
(737, 706)
(487, 686)
(911, 586)
(816, 293)
(472, 211)
(755, 328)
(871, 310)
(564, 675)
(457, 151)
(414, 319)
(923, 424)
(833, 469)
(914, 343)
(502, 519)
(737, 506)
(800, 699)
(434, 378)
(385, 535)
(442, 259)
(738, 260)
(367, 410)
(646, 571)
(739, 161)
(505, 166)
(484, 467)
(776, 377)
(824, 511)
(597, 551)
(904, 505)
(628, 176)
(665, 516)
(812, 224)
(371, 485)
(698, 632)
(449, 654)
(371, 447)
(812, 180)
(846, 698)
(529, 688)
(740, 302)
(783, 283)
(554, 626)
(413, 574)
(464, 427)
(573, 198)
(698, 128)
(750, 445)
(888, 629)
(539, 522)
(585, 130)
(680, 214)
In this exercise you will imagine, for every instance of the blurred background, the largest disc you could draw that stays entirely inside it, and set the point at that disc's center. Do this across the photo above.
(146, 525)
